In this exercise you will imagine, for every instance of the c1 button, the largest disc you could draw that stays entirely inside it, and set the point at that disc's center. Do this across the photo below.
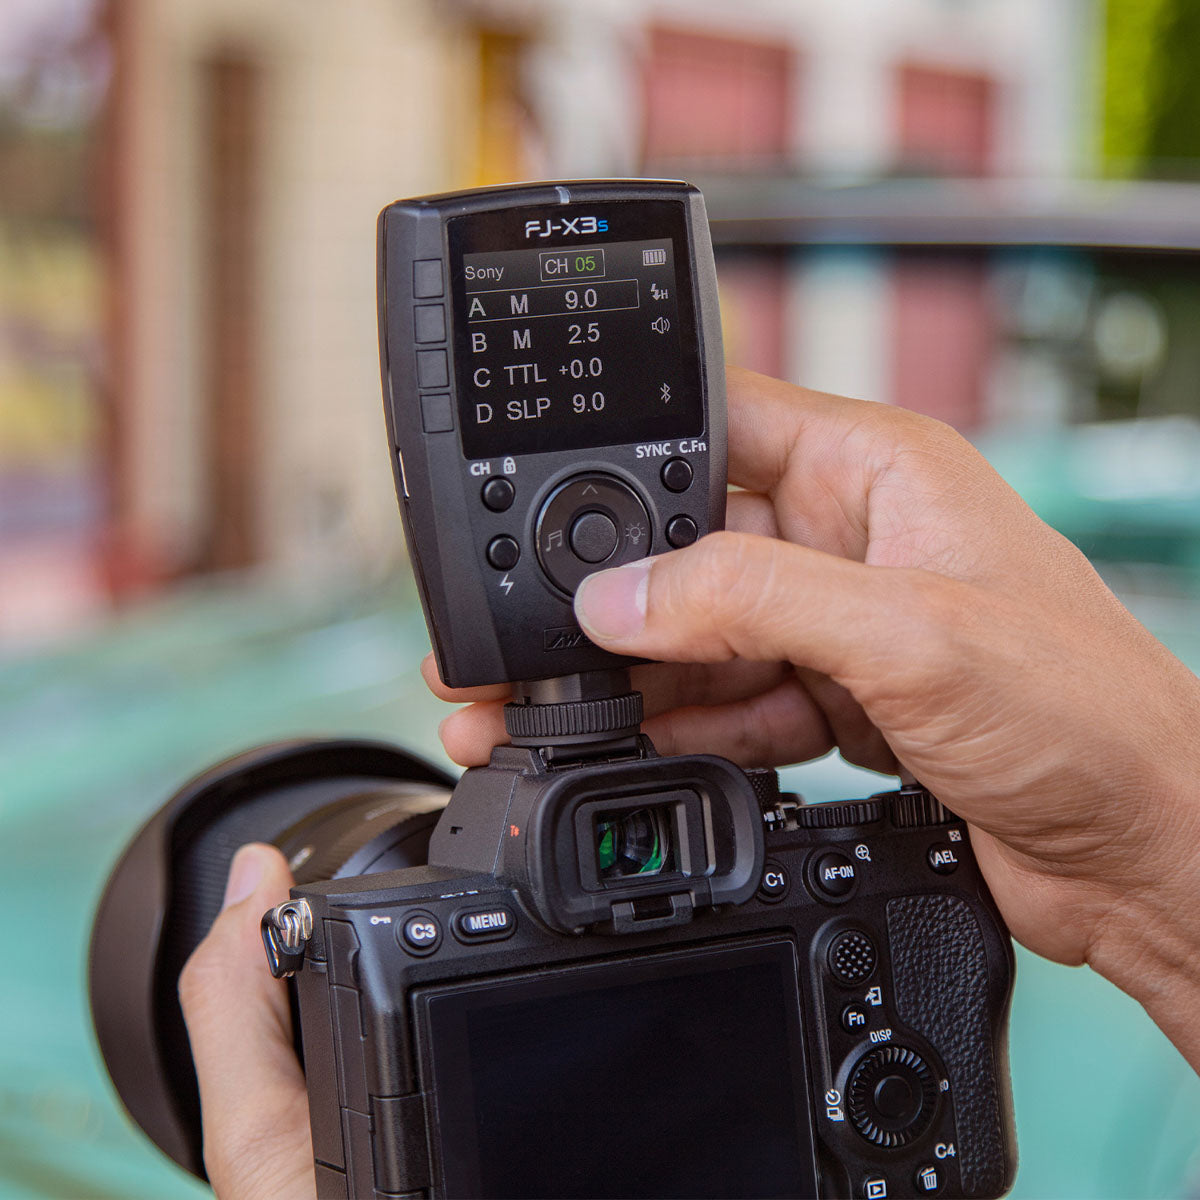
(420, 933)
(774, 883)
(498, 494)
(677, 474)
(928, 1180)
(943, 858)
(835, 874)
(854, 1018)
(503, 552)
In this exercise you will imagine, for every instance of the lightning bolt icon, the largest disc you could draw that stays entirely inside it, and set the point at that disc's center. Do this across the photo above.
(506, 584)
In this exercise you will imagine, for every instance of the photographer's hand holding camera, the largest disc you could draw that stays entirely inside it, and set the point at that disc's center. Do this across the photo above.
(880, 589)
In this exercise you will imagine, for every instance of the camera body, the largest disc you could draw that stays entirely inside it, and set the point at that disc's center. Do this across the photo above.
(805, 1001)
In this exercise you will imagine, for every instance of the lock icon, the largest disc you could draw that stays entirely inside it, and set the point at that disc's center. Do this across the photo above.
(509, 466)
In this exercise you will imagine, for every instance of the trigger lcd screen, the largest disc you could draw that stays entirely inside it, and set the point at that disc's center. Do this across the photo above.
(574, 329)
(674, 1074)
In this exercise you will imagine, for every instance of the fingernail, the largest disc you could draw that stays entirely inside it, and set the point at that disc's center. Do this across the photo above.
(611, 605)
(244, 874)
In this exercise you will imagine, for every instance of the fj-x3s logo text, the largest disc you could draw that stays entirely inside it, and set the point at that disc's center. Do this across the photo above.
(583, 226)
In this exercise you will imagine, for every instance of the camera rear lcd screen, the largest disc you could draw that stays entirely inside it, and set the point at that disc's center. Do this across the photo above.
(676, 1074)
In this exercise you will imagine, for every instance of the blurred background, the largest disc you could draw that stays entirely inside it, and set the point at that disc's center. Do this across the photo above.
(986, 210)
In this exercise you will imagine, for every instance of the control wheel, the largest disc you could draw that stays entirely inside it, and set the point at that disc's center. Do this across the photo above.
(891, 1096)
(589, 522)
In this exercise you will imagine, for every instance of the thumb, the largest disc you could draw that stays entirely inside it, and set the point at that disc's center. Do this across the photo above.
(758, 598)
(239, 1025)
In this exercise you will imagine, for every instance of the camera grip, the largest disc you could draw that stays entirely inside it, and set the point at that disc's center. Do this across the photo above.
(941, 986)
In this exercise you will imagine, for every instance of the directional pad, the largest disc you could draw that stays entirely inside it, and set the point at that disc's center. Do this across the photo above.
(589, 522)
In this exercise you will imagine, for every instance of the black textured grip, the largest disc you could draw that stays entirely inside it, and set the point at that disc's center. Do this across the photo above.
(939, 967)
(574, 718)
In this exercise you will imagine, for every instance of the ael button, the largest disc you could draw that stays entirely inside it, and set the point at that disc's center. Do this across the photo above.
(419, 933)
(498, 494)
(484, 924)
(677, 475)
(943, 858)
(775, 883)
(503, 552)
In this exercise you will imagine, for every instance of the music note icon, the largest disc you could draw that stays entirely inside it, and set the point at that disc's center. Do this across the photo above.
(555, 539)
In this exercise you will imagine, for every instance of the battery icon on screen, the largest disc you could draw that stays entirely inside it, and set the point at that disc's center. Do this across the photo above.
(653, 258)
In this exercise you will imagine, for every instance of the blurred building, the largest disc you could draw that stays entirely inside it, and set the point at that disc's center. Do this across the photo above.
(246, 146)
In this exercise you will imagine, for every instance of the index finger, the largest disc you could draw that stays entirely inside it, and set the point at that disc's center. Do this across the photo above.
(767, 419)
(467, 695)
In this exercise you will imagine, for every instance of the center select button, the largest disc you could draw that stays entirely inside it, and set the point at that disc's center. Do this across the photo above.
(593, 537)
(484, 924)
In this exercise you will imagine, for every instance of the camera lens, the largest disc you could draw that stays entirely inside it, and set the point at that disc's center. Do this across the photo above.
(637, 842)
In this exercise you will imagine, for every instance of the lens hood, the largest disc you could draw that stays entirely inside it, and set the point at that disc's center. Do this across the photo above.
(166, 890)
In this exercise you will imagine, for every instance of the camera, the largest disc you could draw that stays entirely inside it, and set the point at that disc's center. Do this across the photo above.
(584, 969)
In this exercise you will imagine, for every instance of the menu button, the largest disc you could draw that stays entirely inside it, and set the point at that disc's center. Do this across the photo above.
(484, 924)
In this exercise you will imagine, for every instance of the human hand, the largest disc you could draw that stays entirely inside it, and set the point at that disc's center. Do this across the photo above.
(883, 590)
(255, 1108)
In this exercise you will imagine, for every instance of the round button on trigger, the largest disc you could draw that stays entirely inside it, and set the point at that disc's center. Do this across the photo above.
(503, 552)
(593, 537)
(676, 474)
(498, 494)
(681, 531)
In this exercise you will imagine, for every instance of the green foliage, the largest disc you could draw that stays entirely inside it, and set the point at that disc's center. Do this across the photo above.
(1173, 132)
(1151, 87)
